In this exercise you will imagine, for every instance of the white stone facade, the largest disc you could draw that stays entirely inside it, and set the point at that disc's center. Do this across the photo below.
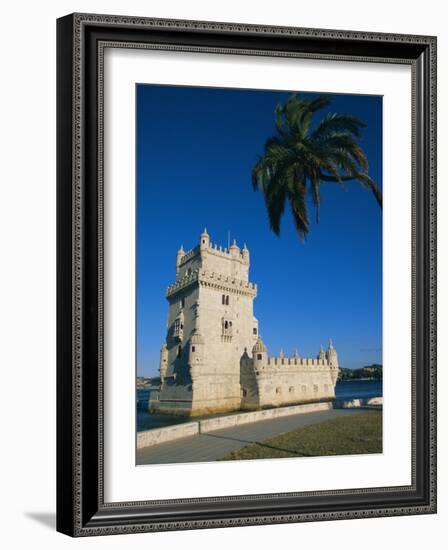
(213, 359)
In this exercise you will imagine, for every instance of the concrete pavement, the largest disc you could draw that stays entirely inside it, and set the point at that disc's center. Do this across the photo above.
(215, 445)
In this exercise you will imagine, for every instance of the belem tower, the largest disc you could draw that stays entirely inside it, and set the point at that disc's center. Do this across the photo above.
(213, 359)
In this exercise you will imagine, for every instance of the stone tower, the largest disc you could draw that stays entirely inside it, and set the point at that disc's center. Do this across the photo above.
(210, 326)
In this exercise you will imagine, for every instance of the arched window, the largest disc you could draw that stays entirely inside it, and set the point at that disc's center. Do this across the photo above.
(179, 351)
(223, 300)
(227, 300)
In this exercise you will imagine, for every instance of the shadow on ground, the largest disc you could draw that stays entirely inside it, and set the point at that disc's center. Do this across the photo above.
(48, 519)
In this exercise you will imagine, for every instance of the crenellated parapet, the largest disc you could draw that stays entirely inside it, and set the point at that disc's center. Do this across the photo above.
(189, 255)
(214, 280)
(188, 279)
(281, 361)
(234, 253)
(227, 283)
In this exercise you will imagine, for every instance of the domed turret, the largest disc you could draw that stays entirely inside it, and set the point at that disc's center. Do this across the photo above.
(259, 346)
(259, 354)
(234, 249)
(179, 257)
(245, 253)
(197, 338)
(332, 357)
(196, 351)
(163, 362)
(205, 239)
(321, 355)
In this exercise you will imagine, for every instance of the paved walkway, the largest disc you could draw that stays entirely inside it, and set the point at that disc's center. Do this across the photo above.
(214, 445)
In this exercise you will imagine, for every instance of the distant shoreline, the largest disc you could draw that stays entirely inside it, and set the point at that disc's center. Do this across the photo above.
(370, 379)
(369, 373)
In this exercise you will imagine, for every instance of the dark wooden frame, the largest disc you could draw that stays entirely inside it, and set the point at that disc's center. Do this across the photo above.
(81, 510)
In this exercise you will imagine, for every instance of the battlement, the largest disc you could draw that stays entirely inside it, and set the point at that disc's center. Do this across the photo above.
(217, 280)
(189, 255)
(213, 248)
(299, 361)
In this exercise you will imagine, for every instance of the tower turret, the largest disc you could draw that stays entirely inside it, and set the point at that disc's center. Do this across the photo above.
(332, 357)
(163, 362)
(196, 351)
(321, 356)
(205, 239)
(259, 354)
(179, 256)
(234, 250)
(245, 253)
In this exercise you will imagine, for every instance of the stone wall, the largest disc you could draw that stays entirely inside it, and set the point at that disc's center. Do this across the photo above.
(149, 438)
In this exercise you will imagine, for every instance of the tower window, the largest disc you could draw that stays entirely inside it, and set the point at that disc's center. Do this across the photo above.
(223, 300)
(182, 302)
(227, 300)
(179, 351)
(178, 328)
(259, 356)
(255, 331)
(226, 329)
(193, 349)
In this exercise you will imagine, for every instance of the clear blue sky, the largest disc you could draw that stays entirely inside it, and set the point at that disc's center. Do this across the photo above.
(195, 151)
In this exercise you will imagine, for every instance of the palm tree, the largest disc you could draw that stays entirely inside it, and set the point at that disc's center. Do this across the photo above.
(302, 155)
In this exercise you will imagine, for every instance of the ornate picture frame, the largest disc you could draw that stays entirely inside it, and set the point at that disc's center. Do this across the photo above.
(81, 506)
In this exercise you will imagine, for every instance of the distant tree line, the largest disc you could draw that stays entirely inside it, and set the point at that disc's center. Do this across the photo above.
(146, 382)
(370, 372)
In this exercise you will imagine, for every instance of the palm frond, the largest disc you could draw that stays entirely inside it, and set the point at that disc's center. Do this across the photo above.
(333, 122)
(298, 158)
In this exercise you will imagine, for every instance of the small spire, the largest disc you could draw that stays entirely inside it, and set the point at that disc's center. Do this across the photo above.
(296, 353)
(281, 353)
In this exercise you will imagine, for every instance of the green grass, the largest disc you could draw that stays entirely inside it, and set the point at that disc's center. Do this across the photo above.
(355, 434)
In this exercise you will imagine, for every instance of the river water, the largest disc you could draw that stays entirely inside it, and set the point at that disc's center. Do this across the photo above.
(346, 389)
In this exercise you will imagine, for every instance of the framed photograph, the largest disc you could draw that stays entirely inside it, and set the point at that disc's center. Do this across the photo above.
(246, 274)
